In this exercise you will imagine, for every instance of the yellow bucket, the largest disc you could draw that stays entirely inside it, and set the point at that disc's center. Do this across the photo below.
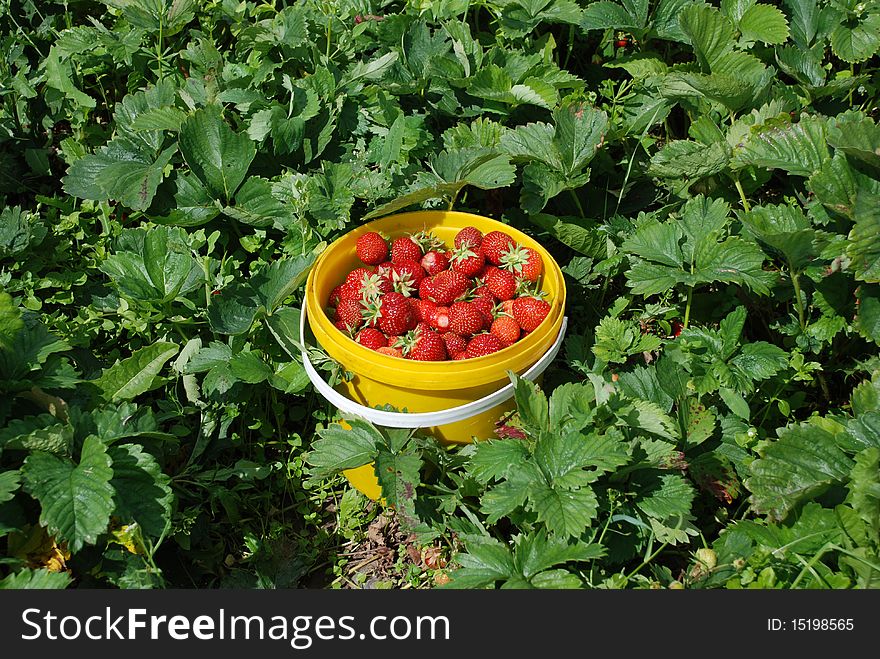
(454, 401)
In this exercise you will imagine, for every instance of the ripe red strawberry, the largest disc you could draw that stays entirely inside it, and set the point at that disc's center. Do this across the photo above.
(464, 319)
(434, 262)
(371, 248)
(502, 284)
(391, 352)
(495, 245)
(529, 312)
(507, 307)
(483, 344)
(405, 249)
(444, 287)
(471, 236)
(349, 313)
(454, 343)
(467, 260)
(422, 309)
(371, 338)
(392, 313)
(411, 269)
(506, 329)
(485, 305)
(342, 326)
(356, 276)
(373, 286)
(524, 262)
(438, 319)
(461, 355)
(428, 347)
(335, 296)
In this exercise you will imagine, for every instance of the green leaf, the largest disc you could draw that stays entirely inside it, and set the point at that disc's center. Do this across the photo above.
(868, 319)
(142, 491)
(121, 170)
(735, 403)
(19, 231)
(342, 448)
(665, 496)
(486, 562)
(580, 234)
(864, 239)
(798, 466)
(531, 404)
(495, 459)
(565, 512)
(798, 149)
(763, 23)
(40, 579)
(219, 157)
(857, 40)
(76, 499)
(136, 374)
(161, 118)
(865, 487)
(9, 482)
(284, 325)
(691, 160)
(59, 75)
(247, 367)
(538, 552)
(617, 340)
(603, 15)
(278, 280)
(398, 475)
(786, 230)
(709, 32)
(760, 360)
(857, 136)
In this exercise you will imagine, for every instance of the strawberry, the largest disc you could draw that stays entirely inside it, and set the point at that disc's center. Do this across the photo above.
(371, 338)
(454, 343)
(434, 262)
(507, 307)
(335, 296)
(461, 355)
(371, 248)
(495, 245)
(485, 305)
(483, 344)
(356, 276)
(405, 248)
(438, 319)
(392, 313)
(342, 326)
(444, 287)
(373, 286)
(502, 284)
(349, 312)
(471, 236)
(422, 344)
(524, 262)
(464, 319)
(467, 260)
(407, 274)
(506, 329)
(422, 309)
(529, 312)
(391, 352)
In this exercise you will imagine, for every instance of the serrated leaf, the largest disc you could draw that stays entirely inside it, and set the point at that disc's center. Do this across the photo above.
(798, 466)
(494, 459)
(40, 579)
(763, 23)
(565, 512)
(857, 40)
(398, 476)
(486, 562)
(279, 279)
(691, 160)
(668, 495)
(142, 491)
(864, 239)
(537, 553)
(760, 360)
(648, 416)
(161, 118)
(531, 404)
(343, 448)
(643, 382)
(136, 374)
(735, 403)
(9, 483)
(616, 340)
(580, 234)
(798, 149)
(857, 136)
(868, 319)
(710, 33)
(786, 230)
(698, 420)
(76, 499)
(502, 499)
(603, 15)
(865, 487)
(219, 157)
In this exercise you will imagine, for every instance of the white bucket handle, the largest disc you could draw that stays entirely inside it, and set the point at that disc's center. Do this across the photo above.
(421, 419)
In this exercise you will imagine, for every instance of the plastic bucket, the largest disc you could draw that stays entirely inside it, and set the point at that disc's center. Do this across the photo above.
(454, 401)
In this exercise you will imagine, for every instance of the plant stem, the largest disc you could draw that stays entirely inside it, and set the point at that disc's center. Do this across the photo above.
(453, 199)
(687, 309)
(742, 195)
(577, 202)
(159, 48)
(647, 560)
(795, 281)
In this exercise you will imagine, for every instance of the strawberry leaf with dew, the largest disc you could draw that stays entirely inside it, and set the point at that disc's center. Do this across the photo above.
(76, 499)
(218, 156)
(692, 250)
(556, 155)
(450, 172)
(488, 562)
(798, 466)
(151, 268)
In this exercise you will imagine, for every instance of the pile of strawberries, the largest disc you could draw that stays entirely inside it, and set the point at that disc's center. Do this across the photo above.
(430, 303)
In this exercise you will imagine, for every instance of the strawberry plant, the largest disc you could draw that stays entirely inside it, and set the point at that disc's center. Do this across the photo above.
(705, 174)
